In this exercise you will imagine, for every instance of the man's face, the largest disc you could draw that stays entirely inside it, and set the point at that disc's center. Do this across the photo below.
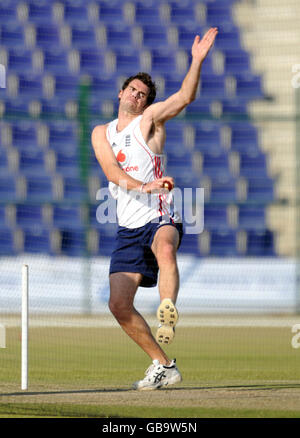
(134, 98)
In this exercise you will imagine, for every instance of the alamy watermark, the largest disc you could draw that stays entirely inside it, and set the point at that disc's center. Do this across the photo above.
(2, 76)
(2, 336)
(188, 205)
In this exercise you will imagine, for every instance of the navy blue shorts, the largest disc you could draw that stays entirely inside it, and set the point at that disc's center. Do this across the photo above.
(133, 251)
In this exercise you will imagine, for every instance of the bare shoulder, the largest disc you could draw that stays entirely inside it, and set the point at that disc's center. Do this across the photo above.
(98, 132)
(99, 129)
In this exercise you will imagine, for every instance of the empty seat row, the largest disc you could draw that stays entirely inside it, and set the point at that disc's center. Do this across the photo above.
(48, 188)
(33, 161)
(203, 136)
(218, 243)
(105, 105)
(52, 188)
(68, 241)
(80, 242)
(60, 216)
(78, 11)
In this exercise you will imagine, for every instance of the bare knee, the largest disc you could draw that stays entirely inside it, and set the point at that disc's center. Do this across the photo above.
(166, 254)
(120, 310)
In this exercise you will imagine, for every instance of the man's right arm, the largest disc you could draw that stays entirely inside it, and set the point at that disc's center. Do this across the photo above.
(113, 171)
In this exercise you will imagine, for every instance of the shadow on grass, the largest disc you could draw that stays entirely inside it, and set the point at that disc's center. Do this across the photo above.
(253, 387)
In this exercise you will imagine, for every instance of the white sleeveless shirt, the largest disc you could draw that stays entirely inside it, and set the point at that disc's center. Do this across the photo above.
(136, 209)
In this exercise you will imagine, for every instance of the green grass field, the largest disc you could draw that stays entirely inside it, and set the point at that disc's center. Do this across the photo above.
(241, 371)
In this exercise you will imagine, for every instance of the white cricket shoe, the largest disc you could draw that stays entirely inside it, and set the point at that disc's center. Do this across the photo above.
(167, 315)
(158, 375)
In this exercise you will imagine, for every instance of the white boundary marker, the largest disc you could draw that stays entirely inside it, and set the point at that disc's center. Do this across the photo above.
(2, 336)
(24, 346)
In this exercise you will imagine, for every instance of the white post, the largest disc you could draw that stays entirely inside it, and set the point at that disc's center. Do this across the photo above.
(24, 348)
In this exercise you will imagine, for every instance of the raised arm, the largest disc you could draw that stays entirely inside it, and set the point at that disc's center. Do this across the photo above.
(160, 112)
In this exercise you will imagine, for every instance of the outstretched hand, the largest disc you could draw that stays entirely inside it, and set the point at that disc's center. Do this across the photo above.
(201, 47)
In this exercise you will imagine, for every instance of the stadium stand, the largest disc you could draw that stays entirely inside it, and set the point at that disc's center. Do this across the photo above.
(47, 47)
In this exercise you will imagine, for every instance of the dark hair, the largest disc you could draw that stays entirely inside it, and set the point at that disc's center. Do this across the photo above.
(147, 80)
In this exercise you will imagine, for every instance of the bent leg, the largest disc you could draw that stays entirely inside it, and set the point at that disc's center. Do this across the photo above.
(164, 247)
(123, 287)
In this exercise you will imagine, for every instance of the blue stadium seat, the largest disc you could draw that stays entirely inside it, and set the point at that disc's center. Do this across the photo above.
(7, 244)
(66, 86)
(127, 62)
(252, 217)
(172, 83)
(39, 11)
(32, 161)
(215, 163)
(147, 12)
(67, 216)
(75, 12)
(62, 135)
(74, 189)
(218, 13)
(260, 189)
(216, 217)
(8, 188)
(67, 162)
(200, 107)
(244, 137)
(83, 35)
(223, 243)
(155, 36)
(189, 245)
(163, 61)
(92, 61)
(104, 87)
(30, 84)
(99, 107)
(24, 134)
(260, 243)
(12, 34)
(249, 85)
(37, 240)
(56, 60)
(118, 35)
(253, 164)
(19, 60)
(182, 12)
(107, 236)
(73, 242)
(174, 134)
(236, 61)
(234, 106)
(8, 12)
(111, 11)
(4, 161)
(40, 189)
(47, 35)
(29, 215)
(16, 106)
(207, 136)
(223, 189)
(50, 109)
(3, 216)
(179, 157)
(212, 86)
